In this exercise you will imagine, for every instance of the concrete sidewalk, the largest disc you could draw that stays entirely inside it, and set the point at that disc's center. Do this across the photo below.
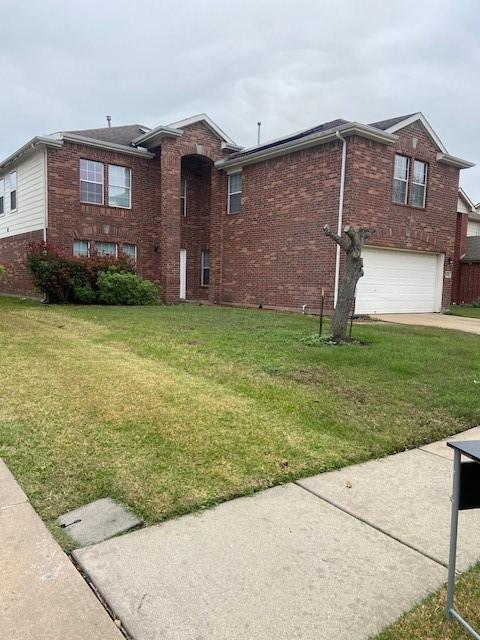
(437, 320)
(42, 595)
(337, 556)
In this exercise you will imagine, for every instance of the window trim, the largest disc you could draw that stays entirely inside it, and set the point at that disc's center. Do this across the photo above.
(421, 184)
(131, 244)
(405, 180)
(13, 191)
(3, 208)
(76, 255)
(97, 204)
(119, 206)
(232, 193)
(106, 254)
(203, 253)
(183, 197)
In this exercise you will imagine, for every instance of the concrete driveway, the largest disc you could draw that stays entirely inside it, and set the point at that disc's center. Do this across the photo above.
(439, 320)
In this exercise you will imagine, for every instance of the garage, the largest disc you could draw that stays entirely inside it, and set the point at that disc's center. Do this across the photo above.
(400, 282)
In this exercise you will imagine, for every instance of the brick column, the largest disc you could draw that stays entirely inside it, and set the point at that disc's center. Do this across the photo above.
(218, 195)
(170, 221)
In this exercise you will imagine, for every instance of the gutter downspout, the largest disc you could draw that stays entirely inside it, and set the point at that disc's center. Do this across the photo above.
(45, 187)
(340, 214)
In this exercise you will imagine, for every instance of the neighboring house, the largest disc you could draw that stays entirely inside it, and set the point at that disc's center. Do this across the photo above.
(211, 221)
(466, 287)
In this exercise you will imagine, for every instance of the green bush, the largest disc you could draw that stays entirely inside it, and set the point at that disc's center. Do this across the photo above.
(84, 294)
(2, 272)
(126, 288)
(87, 280)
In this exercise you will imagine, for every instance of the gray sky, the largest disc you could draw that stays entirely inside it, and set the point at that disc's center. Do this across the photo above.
(289, 63)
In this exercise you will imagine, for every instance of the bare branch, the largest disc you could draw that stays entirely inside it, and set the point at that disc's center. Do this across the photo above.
(342, 242)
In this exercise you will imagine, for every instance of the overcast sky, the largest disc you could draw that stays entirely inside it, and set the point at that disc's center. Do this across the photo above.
(289, 63)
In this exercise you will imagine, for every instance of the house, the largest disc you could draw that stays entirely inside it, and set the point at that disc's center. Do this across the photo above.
(211, 221)
(467, 271)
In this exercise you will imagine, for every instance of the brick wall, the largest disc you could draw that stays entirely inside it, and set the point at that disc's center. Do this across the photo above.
(275, 252)
(13, 256)
(69, 219)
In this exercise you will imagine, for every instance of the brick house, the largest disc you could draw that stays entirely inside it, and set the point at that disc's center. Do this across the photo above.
(211, 221)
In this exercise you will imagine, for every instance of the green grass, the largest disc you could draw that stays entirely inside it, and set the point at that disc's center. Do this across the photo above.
(173, 408)
(469, 312)
(427, 620)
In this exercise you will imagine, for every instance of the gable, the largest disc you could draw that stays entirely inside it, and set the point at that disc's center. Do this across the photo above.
(420, 120)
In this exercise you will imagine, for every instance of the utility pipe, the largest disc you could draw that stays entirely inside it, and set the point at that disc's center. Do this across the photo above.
(340, 214)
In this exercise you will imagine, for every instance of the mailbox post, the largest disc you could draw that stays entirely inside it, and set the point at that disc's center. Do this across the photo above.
(466, 495)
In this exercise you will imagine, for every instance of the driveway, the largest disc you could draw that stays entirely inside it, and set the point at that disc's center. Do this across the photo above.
(439, 320)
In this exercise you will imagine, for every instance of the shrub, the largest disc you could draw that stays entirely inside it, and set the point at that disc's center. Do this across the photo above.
(65, 278)
(2, 272)
(126, 288)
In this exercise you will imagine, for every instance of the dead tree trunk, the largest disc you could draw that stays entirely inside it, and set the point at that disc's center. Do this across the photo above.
(352, 244)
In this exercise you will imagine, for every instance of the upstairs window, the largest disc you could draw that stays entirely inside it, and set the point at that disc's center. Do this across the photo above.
(13, 191)
(183, 196)
(91, 182)
(130, 250)
(419, 183)
(81, 248)
(205, 273)
(400, 179)
(2, 196)
(234, 192)
(106, 248)
(119, 186)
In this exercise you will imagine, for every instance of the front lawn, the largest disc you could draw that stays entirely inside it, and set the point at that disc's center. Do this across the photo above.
(469, 312)
(172, 408)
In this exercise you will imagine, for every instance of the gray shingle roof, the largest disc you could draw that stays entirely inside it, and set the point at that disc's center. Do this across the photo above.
(296, 136)
(473, 249)
(386, 124)
(119, 135)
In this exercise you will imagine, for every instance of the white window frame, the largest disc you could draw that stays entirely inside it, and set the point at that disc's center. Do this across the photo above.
(92, 182)
(130, 244)
(13, 191)
(203, 268)
(2, 197)
(106, 242)
(183, 196)
(129, 189)
(80, 255)
(405, 180)
(421, 184)
(233, 193)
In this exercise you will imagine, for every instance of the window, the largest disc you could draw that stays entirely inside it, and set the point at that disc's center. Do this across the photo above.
(91, 182)
(205, 276)
(106, 248)
(419, 183)
(2, 196)
(183, 196)
(81, 248)
(234, 192)
(119, 186)
(130, 250)
(400, 179)
(13, 191)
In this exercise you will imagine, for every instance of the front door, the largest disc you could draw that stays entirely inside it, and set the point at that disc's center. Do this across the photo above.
(183, 274)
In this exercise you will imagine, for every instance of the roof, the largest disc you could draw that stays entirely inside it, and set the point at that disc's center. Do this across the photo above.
(124, 134)
(472, 253)
(386, 124)
(292, 137)
(382, 131)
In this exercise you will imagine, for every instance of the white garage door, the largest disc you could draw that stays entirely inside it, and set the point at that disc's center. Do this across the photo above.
(400, 282)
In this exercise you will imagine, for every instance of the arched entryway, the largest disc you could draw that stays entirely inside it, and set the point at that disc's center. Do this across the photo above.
(194, 209)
